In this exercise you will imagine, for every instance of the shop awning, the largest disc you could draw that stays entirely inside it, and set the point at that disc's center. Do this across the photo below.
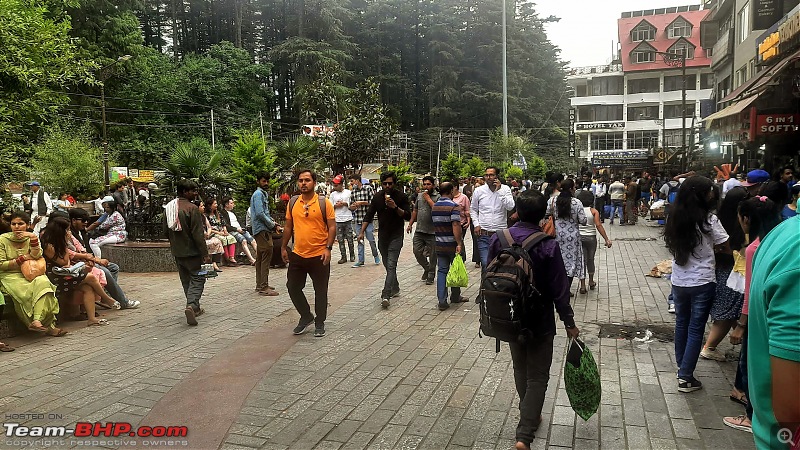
(735, 108)
(762, 78)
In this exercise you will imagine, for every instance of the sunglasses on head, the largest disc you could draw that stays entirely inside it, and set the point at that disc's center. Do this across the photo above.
(306, 209)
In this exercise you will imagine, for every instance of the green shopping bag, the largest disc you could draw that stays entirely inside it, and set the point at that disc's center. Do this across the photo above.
(457, 275)
(582, 379)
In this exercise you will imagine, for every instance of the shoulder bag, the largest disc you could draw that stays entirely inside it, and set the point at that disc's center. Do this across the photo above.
(32, 268)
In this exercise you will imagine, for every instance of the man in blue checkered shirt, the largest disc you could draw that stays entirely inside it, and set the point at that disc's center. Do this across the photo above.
(361, 196)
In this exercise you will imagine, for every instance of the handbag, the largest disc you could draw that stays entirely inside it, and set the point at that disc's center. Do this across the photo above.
(549, 227)
(582, 379)
(32, 268)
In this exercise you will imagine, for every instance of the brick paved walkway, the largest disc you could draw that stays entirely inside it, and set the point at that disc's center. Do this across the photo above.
(409, 377)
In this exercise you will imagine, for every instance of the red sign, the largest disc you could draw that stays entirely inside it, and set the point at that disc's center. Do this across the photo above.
(768, 124)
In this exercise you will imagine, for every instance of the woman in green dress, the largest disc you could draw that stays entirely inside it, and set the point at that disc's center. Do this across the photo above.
(34, 301)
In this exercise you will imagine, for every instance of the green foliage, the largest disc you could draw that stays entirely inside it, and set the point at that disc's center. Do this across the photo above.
(364, 132)
(474, 167)
(195, 160)
(451, 168)
(537, 167)
(509, 170)
(37, 61)
(402, 171)
(297, 153)
(68, 161)
(249, 158)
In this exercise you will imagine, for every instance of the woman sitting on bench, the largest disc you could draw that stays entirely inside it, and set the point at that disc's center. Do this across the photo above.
(83, 287)
(34, 301)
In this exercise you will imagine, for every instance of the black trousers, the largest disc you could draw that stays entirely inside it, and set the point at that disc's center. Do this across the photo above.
(192, 283)
(531, 374)
(299, 270)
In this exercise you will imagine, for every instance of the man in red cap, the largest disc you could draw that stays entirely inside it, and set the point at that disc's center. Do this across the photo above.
(340, 197)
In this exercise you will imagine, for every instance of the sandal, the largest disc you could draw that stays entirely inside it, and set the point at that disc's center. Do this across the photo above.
(583, 290)
(5, 348)
(39, 329)
(56, 332)
(592, 286)
(740, 398)
(102, 305)
(99, 322)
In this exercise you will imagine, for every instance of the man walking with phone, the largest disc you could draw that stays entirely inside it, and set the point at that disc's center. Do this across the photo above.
(489, 211)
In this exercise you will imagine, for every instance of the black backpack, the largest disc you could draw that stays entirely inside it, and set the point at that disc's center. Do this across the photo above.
(508, 294)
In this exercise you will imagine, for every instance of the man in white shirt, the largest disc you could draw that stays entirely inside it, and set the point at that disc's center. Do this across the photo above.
(731, 183)
(489, 211)
(42, 207)
(235, 229)
(340, 197)
(599, 189)
(617, 193)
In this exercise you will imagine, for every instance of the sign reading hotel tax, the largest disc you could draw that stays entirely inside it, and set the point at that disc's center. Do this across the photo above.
(600, 126)
(770, 124)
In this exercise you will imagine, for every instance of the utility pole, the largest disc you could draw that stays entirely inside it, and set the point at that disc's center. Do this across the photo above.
(103, 78)
(261, 119)
(439, 155)
(673, 59)
(505, 75)
(212, 131)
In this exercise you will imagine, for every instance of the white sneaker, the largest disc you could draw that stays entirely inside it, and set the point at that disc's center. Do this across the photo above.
(671, 309)
(712, 354)
(133, 304)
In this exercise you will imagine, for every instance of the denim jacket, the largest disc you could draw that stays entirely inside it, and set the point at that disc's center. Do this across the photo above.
(259, 210)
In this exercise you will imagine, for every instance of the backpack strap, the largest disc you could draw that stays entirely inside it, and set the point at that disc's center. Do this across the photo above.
(506, 240)
(322, 207)
(534, 239)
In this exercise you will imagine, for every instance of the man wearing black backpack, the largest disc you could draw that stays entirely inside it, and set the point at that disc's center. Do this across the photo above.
(532, 358)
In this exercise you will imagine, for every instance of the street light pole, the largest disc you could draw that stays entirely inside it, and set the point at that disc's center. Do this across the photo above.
(103, 78)
(505, 76)
(674, 59)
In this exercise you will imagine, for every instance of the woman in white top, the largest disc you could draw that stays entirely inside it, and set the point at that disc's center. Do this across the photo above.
(692, 233)
(588, 234)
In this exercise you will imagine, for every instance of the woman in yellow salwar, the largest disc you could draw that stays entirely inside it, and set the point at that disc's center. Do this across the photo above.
(34, 301)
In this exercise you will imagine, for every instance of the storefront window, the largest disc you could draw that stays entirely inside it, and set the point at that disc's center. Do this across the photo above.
(640, 140)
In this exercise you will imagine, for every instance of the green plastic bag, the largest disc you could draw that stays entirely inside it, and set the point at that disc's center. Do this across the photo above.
(457, 275)
(582, 379)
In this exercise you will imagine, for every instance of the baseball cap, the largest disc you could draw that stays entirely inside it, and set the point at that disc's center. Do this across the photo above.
(338, 179)
(755, 177)
(34, 183)
(107, 199)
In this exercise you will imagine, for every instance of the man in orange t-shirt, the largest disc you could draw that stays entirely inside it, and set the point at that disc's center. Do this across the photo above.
(313, 237)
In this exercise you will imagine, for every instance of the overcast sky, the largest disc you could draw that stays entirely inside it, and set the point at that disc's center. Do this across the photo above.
(588, 27)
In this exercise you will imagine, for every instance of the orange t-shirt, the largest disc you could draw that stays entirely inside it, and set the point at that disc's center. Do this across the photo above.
(310, 232)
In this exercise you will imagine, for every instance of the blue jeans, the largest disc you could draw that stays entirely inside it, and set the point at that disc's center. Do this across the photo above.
(242, 237)
(369, 233)
(442, 267)
(112, 287)
(617, 208)
(692, 307)
(483, 250)
(390, 252)
(741, 382)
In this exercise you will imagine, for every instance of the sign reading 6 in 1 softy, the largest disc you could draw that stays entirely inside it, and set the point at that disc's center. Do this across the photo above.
(768, 124)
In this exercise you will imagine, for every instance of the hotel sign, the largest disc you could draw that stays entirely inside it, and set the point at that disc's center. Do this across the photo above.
(572, 132)
(600, 126)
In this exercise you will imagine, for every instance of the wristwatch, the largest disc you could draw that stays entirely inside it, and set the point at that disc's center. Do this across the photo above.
(569, 327)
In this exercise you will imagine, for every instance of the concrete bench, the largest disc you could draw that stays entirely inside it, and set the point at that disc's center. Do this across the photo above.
(10, 325)
(143, 256)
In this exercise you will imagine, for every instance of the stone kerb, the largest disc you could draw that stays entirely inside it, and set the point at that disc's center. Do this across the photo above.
(140, 257)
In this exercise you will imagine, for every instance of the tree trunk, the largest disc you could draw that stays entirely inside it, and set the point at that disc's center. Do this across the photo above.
(175, 35)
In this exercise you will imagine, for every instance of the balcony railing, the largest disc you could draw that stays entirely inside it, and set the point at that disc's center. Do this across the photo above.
(723, 48)
(608, 68)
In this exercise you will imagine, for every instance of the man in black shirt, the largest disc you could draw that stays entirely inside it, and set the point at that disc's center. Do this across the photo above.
(393, 209)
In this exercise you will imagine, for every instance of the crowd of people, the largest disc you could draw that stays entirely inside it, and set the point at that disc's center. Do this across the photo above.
(733, 241)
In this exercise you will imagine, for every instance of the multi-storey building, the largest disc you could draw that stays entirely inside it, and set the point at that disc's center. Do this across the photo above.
(632, 111)
(754, 68)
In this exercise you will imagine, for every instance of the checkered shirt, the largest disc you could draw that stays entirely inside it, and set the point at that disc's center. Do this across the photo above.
(364, 194)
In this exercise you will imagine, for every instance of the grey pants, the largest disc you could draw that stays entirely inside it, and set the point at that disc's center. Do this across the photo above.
(193, 283)
(589, 244)
(425, 252)
(344, 232)
(531, 375)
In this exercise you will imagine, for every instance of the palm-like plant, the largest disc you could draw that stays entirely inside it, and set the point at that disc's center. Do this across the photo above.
(293, 155)
(194, 160)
